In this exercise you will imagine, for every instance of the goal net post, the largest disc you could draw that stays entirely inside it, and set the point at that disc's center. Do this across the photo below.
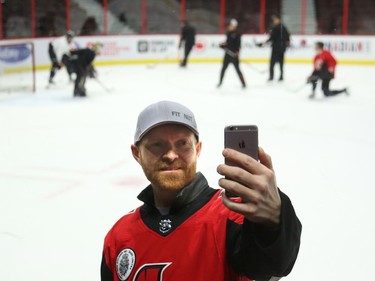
(17, 67)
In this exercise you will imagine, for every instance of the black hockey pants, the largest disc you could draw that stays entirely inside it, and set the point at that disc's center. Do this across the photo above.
(326, 78)
(277, 56)
(188, 48)
(235, 61)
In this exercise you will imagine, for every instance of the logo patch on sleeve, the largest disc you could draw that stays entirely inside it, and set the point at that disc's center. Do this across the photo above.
(125, 263)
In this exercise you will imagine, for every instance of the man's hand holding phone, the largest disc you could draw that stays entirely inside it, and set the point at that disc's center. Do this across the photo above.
(255, 183)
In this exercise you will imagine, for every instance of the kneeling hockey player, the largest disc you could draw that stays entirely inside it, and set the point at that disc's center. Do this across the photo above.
(324, 69)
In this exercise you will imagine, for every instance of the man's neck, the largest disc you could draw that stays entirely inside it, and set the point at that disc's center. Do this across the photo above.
(164, 198)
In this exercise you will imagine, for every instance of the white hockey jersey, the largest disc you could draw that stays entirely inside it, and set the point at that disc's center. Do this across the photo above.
(61, 47)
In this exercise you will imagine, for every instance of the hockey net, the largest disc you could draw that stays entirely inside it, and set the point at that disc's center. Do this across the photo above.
(17, 67)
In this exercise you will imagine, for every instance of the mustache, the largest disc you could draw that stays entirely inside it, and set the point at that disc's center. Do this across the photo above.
(177, 164)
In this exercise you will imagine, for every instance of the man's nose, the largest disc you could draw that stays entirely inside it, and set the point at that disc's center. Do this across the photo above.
(171, 154)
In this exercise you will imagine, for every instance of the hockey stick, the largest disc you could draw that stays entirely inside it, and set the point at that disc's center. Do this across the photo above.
(298, 89)
(233, 55)
(108, 90)
(229, 52)
(260, 71)
(259, 45)
(180, 53)
(153, 65)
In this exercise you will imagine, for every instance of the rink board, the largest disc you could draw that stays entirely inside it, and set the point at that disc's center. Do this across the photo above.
(143, 49)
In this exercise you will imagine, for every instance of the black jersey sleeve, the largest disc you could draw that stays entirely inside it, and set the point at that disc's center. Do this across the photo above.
(183, 33)
(235, 43)
(238, 47)
(105, 273)
(258, 253)
(287, 36)
(271, 35)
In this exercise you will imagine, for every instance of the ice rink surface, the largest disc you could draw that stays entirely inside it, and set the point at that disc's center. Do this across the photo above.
(67, 174)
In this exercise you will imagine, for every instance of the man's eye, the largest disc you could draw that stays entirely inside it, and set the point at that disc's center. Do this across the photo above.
(184, 144)
(156, 145)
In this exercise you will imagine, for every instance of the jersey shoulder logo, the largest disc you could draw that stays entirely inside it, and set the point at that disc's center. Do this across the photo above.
(125, 263)
(165, 225)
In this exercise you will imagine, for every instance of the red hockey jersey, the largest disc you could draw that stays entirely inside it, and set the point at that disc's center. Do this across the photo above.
(193, 251)
(200, 239)
(325, 61)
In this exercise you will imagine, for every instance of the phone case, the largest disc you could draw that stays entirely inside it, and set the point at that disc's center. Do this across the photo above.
(243, 138)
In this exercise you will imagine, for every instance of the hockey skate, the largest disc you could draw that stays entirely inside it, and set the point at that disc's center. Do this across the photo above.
(79, 93)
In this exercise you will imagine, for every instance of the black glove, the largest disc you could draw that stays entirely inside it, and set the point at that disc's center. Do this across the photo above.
(56, 64)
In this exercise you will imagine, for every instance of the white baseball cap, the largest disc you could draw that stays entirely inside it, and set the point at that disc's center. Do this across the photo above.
(164, 112)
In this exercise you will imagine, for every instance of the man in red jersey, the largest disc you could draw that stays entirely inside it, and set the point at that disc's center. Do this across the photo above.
(324, 69)
(186, 230)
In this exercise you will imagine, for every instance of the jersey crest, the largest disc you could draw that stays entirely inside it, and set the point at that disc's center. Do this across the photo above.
(165, 226)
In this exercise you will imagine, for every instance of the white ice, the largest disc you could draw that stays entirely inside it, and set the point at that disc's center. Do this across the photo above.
(67, 174)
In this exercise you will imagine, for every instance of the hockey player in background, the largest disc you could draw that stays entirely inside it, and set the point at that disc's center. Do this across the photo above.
(59, 51)
(324, 69)
(279, 38)
(81, 62)
(188, 39)
(232, 51)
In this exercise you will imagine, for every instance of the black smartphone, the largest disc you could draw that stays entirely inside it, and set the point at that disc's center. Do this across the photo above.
(243, 138)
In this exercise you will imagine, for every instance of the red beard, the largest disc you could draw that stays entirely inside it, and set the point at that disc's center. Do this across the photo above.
(171, 176)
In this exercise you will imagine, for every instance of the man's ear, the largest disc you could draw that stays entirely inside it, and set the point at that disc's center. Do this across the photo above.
(135, 152)
(199, 148)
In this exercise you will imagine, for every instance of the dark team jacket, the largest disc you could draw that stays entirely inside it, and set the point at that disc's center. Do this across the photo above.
(188, 35)
(82, 57)
(279, 37)
(200, 239)
(233, 42)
